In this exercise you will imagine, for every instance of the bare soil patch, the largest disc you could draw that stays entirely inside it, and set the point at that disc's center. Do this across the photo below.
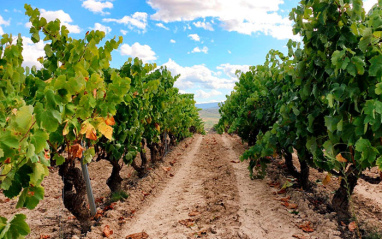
(202, 190)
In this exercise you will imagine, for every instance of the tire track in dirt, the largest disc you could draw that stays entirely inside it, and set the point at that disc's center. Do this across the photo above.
(161, 217)
(260, 215)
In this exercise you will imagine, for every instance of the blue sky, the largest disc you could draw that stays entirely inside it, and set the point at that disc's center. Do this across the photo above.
(203, 40)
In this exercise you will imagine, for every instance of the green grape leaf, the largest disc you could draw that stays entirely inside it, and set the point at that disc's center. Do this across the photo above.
(59, 159)
(89, 155)
(15, 228)
(30, 197)
(39, 140)
(20, 180)
(47, 118)
(375, 65)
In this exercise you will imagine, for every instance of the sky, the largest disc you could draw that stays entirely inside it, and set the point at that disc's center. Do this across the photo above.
(205, 41)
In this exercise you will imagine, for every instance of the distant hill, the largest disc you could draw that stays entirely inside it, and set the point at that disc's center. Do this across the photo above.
(209, 114)
(208, 105)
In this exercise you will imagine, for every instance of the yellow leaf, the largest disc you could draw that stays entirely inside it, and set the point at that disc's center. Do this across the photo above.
(89, 130)
(157, 127)
(327, 179)
(65, 131)
(110, 120)
(105, 129)
(341, 159)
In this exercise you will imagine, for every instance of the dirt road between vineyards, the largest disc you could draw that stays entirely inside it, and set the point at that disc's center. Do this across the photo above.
(212, 196)
(199, 190)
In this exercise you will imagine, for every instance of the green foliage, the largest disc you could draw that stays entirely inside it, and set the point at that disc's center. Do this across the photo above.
(323, 98)
(118, 196)
(75, 102)
(16, 227)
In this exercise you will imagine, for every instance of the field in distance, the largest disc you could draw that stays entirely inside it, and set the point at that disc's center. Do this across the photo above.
(209, 114)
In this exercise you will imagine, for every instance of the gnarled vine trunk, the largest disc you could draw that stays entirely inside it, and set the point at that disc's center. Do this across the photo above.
(142, 169)
(74, 195)
(154, 152)
(341, 198)
(303, 175)
(172, 139)
(114, 182)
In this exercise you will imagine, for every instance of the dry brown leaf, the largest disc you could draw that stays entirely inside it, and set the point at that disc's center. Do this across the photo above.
(98, 215)
(139, 235)
(306, 227)
(110, 121)
(44, 236)
(46, 154)
(232, 161)
(99, 200)
(289, 205)
(274, 184)
(107, 232)
(341, 159)
(352, 226)
(299, 236)
(8, 160)
(282, 191)
(76, 150)
(166, 168)
(187, 222)
(110, 207)
(193, 213)
(327, 179)
(286, 199)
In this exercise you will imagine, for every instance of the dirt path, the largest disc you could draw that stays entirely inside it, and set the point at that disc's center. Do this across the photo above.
(211, 196)
(173, 203)
(199, 190)
(260, 216)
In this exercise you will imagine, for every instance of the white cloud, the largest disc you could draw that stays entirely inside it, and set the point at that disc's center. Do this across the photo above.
(97, 6)
(138, 20)
(100, 27)
(186, 27)
(368, 4)
(124, 32)
(28, 25)
(198, 75)
(6, 10)
(230, 70)
(205, 95)
(204, 25)
(65, 19)
(172, 41)
(162, 26)
(197, 49)
(229, 52)
(32, 51)
(194, 37)
(246, 17)
(3, 22)
(143, 52)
